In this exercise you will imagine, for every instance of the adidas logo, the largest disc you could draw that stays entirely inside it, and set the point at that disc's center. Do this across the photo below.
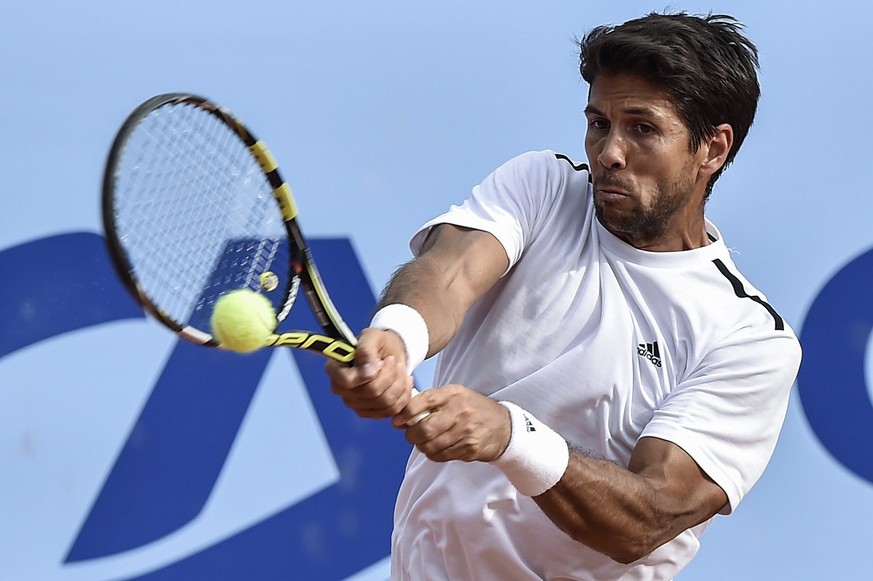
(651, 352)
(529, 427)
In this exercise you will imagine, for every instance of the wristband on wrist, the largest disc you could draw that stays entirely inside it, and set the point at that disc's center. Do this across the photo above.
(410, 325)
(536, 457)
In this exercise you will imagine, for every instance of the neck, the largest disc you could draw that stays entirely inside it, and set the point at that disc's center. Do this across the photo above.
(675, 241)
(683, 229)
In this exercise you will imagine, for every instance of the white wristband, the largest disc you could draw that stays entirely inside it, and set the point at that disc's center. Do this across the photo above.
(410, 325)
(536, 457)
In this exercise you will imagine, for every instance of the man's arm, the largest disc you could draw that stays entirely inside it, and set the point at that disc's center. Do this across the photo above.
(628, 513)
(455, 267)
(624, 513)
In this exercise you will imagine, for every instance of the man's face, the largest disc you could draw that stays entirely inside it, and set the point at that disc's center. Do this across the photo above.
(647, 187)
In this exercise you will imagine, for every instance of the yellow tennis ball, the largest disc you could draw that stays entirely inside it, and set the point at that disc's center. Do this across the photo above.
(243, 320)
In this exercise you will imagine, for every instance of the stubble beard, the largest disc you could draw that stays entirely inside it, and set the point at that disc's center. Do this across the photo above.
(646, 223)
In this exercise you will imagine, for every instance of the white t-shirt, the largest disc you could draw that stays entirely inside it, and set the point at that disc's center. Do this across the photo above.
(605, 344)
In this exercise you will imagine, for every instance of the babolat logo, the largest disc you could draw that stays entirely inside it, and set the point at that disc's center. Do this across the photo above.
(651, 352)
(328, 346)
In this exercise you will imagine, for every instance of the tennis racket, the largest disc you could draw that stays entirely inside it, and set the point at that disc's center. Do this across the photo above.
(194, 206)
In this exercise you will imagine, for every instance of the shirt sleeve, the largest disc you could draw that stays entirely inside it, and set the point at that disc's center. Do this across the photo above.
(506, 204)
(728, 413)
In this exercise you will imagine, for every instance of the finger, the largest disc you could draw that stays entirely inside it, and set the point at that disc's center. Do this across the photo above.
(368, 355)
(413, 393)
(384, 396)
(357, 386)
(433, 431)
(451, 441)
(344, 378)
(445, 442)
(417, 409)
(439, 451)
(341, 376)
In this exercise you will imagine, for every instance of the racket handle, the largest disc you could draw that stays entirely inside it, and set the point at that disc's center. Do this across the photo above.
(420, 416)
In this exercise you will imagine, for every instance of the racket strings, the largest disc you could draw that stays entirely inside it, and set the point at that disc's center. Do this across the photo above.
(194, 212)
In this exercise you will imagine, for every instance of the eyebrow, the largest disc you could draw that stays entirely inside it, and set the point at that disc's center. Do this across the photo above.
(642, 111)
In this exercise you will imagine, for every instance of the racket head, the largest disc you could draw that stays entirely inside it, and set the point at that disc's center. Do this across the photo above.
(190, 212)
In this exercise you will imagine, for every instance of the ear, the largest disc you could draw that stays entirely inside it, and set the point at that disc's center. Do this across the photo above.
(715, 150)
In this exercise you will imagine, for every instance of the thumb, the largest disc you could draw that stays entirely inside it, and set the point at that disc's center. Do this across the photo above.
(369, 352)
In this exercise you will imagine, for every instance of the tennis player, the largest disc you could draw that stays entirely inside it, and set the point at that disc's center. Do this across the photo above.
(607, 381)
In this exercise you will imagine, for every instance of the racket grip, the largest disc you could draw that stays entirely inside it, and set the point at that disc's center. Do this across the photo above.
(420, 416)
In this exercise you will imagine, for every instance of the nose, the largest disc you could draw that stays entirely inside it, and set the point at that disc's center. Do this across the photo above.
(612, 153)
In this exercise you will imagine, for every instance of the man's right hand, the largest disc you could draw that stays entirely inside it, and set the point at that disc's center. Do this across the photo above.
(377, 386)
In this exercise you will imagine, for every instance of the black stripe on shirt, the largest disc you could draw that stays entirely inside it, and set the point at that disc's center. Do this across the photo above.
(741, 293)
(576, 166)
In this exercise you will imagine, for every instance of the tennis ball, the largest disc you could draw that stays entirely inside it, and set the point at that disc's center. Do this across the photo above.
(243, 320)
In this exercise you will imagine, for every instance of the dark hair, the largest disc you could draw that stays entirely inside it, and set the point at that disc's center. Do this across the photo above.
(704, 63)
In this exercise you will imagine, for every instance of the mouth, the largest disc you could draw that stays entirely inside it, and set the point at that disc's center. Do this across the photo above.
(612, 187)
(610, 193)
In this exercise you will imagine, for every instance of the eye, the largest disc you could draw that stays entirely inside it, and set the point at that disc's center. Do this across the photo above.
(598, 124)
(644, 128)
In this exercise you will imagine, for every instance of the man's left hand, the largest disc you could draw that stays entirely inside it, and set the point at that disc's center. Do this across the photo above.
(461, 425)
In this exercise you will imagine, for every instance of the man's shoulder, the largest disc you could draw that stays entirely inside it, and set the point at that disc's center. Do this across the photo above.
(545, 174)
(554, 159)
(548, 162)
(733, 302)
(576, 166)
